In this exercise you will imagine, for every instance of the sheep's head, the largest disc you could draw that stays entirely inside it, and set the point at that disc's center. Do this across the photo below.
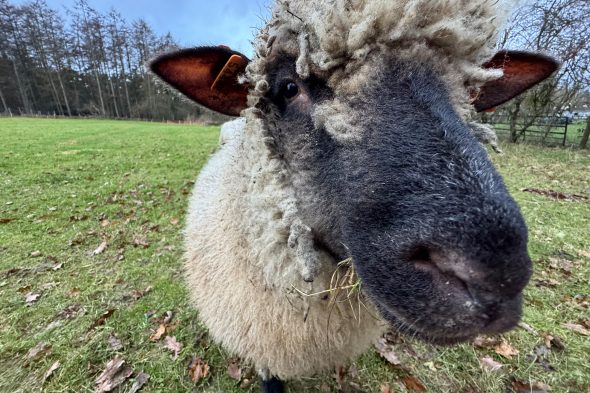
(384, 167)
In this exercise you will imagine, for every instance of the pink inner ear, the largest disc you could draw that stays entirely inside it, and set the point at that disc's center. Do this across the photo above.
(230, 72)
(208, 76)
(522, 70)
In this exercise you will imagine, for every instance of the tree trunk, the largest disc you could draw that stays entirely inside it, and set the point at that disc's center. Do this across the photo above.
(3, 102)
(584, 141)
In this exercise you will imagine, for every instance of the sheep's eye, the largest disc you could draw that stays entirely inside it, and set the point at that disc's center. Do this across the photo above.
(290, 90)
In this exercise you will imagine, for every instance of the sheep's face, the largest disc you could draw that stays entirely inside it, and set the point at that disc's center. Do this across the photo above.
(394, 179)
(390, 175)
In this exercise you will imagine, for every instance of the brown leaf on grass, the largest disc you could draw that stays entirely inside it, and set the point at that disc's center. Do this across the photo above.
(198, 369)
(547, 282)
(385, 388)
(506, 350)
(490, 364)
(553, 342)
(70, 312)
(413, 385)
(141, 241)
(574, 327)
(38, 351)
(36, 254)
(486, 342)
(234, 369)
(9, 220)
(386, 350)
(49, 372)
(100, 249)
(526, 387)
(114, 343)
(140, 380)
(159, 333)
(74, 292)
(557, 194)
(174, 221)
(25, 289)
(115, 374)
(31, 298)
(102, 319)
(173, 346)
(137, 294)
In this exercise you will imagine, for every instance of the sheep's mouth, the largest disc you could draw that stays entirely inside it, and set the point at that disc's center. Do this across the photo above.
(431, 328)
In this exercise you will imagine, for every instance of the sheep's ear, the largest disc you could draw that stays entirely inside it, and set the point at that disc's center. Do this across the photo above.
(522, 70)
(207, 75)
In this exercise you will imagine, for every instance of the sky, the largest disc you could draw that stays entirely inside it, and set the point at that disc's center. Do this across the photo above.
(192, 23)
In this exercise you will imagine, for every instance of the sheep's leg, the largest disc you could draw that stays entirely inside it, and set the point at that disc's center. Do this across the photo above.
(270, 384)
(273, 385)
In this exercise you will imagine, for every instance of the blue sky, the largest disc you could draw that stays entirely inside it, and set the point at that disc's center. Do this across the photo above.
(196, 22)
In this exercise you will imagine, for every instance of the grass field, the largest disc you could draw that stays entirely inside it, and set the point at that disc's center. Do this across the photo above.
(91, 214)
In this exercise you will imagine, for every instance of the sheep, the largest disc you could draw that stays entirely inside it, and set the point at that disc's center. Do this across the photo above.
(353, 194)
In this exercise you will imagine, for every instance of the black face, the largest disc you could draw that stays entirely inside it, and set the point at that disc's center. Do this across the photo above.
(438, 242)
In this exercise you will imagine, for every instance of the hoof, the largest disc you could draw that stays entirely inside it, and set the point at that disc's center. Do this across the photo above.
(273, 385)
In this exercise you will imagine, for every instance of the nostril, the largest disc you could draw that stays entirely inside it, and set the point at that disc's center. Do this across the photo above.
(419, 254)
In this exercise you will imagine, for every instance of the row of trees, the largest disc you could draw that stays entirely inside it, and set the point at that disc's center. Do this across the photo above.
(91, 65)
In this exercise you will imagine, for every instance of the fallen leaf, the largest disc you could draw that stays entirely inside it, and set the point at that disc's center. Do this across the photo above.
(159, 333)
(557, 194)
(140, 380)
(553, 342)
(173, 346)
(102, 319)
(528, 328)
(385, 388)
(74, 292)
(9, 220)
(526, 387)
(71, 311)
(32, 298)
(49, 372)
(198, 369)
(168, 315)
(549, 283)
(174, 221)
(38, 351)
(577, 328)
(114, 343)
(100, 249)
(25, 289)
(115, 374)
(490, 364)
(506, 350)
(386, 351)
(36, 254)
(486, 342)
(412, 384)
(105, 223)
(234, 370)
(141, 241)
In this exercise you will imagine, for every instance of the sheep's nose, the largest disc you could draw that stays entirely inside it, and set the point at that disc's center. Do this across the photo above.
(505, 277)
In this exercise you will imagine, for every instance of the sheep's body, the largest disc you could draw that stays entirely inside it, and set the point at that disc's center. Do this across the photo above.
(244, 276)
(249, 255)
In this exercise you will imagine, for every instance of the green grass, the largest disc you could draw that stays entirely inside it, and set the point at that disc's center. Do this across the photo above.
(69, 185)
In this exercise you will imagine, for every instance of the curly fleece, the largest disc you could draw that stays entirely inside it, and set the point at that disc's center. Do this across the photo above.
(249, 255)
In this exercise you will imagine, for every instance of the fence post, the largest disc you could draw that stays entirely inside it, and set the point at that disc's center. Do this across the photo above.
(584, 140)
(567, 120)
